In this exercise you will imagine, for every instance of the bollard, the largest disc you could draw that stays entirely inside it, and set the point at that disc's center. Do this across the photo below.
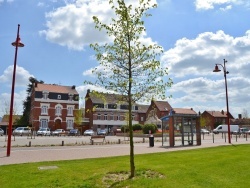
(62, 143)
(143, 140)
(92, 142)
(236, 137)
(29, 143)
(151, 141)
(119, 141)
(213, 137)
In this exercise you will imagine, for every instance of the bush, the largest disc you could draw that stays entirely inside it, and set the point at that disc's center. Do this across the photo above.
(137, 127)
(125, 128)
(148, 127)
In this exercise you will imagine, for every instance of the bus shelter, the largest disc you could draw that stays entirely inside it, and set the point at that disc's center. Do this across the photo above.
(181, 130)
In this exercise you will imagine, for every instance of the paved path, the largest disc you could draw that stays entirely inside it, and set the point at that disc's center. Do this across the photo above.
(54, 153)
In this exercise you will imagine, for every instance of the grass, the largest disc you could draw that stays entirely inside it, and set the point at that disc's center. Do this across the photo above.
(224, 166)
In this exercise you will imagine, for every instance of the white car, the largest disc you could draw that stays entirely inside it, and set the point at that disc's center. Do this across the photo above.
(43, 132)
(88, 132)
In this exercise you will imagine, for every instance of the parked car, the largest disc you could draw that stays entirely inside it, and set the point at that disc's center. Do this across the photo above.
(205, 131)
(102, 132)
(43, 132)
(1, 132)
(241, 131)
(58, 132)
(74, 132)
(20, 131)
(88, 132)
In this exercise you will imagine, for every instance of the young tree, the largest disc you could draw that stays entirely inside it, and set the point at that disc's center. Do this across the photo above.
(78, 115)
(129, 66)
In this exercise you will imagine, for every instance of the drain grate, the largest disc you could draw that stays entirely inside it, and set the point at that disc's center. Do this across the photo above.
(47, 167)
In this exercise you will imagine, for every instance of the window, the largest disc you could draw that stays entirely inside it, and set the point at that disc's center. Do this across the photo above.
(118, 117)
(43, 123)
(58, 110)
(133, 117)
(105, 117)
(106, 106)
(142, 118)
(70, 123)
(70, 110)
(71, 97)
(45, 94)
(99, 116)
(58, 96)
(111, 117)
(44, 109)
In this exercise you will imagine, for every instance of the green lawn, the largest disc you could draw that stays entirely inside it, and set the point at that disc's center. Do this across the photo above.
(224, 166)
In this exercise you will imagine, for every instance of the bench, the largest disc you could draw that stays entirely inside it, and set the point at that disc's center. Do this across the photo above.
(97, 138)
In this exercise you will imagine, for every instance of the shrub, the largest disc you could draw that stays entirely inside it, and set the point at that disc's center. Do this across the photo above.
(125, 128)
(148, 127)
(137, 127)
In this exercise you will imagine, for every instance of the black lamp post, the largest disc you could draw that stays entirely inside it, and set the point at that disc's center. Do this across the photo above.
(17, 44)
(216, 69)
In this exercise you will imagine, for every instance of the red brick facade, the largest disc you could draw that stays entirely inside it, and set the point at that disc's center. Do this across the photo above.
(52, 106)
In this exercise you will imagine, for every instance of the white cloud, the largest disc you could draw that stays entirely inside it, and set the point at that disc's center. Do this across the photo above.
(198, 56)
(22, 76)
(223, 4)
(72, 25)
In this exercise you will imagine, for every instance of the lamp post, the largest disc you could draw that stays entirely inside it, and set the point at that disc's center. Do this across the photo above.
(216, 69)
(17, 44)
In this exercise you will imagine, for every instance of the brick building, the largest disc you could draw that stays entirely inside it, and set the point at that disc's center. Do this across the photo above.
(52, 106)
(108, 111)
(210, 119)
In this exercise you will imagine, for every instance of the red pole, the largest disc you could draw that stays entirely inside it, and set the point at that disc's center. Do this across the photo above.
(228, 121)
(12, 95)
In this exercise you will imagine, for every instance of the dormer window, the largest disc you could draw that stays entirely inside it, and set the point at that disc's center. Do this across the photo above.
(45, 94)
(70, 97)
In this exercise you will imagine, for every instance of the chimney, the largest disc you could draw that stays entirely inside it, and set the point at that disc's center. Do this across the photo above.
(35, 84)
(239, 116)
(222, 112)
(73, 87)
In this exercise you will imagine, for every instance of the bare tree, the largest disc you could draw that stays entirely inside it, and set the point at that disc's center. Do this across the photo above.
(245, 113)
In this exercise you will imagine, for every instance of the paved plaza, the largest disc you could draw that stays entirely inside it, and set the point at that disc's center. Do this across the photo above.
(26, 149)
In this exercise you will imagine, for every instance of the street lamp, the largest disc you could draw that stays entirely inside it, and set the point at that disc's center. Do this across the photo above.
(216, 69)
(17, 44)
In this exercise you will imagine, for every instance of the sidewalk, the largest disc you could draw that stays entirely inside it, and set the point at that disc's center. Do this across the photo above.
(55, 153)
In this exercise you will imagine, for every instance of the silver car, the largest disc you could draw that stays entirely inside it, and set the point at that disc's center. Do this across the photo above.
(20, 131)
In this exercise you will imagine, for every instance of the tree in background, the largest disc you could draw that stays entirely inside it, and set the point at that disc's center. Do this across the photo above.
(244, 113)
(205, 122)
(129, 66)
(24, 120)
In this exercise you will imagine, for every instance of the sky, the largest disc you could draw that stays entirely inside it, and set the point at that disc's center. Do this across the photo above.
(195, 35)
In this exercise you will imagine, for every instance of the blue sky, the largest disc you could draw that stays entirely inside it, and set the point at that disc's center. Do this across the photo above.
(195, 35)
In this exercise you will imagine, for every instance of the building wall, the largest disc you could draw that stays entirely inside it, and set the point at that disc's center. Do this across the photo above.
(54, 121)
